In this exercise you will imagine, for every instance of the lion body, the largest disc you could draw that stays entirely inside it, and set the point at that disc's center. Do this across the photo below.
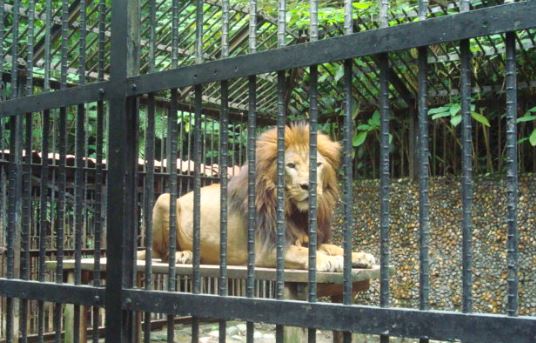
(329, 257)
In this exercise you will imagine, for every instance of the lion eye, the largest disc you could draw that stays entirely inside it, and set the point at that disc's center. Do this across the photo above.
(291, 165)
(319, 164)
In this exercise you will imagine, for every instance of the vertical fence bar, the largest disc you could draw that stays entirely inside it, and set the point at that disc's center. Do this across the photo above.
(172, 165)
(172, 170)
(313, 133)
(224, 157)
(5, 314)
(2, 57)
(27, 186)
(26, 218)
(197, 204)
(424, 166)
(14, 177)
(383, 61)
(62, 146)
(347, 168)
(26, 223)
(280, 210)
(252, 109)
(98, 165)
(48, 25)
(467, 167)
(198, 107)
(44, 165)
(43, 207)
(512, 172)
(79, 187)
(15, 49)
(149, 177)
(13, 215)
(121, 169)
(99, 156)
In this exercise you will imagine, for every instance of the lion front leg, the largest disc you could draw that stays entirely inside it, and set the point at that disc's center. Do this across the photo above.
(360, 259)
(297, 257)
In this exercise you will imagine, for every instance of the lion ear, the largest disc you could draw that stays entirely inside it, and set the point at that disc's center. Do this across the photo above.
(330, 150)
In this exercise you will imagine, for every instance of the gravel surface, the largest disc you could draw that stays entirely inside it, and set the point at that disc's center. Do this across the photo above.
(489, 242)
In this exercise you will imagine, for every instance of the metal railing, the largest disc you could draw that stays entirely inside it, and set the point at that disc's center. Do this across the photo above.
(121, 94)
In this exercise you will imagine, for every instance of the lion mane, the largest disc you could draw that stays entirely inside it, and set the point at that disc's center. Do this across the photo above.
(297, 222)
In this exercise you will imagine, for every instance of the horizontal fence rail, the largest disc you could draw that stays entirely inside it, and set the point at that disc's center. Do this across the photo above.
(373, 320)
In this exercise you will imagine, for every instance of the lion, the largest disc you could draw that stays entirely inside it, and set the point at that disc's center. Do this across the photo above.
(329, 257)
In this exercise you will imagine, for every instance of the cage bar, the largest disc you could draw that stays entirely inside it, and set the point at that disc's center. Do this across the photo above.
(172, 167)
(79, 182)
(172, 170)
(197, 204)
(424, 166)
(98, 163)
(149, 168)
(383, 62)
(313, 148)
(26, 193)
(27, 182)
(15, 50)
(223, 162)
(14, 188)
(348, 129)
(121, 158)
(43, 207)
(224, 148)
(61, 174)
(512, 173)
(2, 54)
(252, 123)
(467, 168)
(280, 168)
(198, 108)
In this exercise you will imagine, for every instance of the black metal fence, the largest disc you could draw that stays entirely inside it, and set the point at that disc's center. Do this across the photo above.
(120, 94)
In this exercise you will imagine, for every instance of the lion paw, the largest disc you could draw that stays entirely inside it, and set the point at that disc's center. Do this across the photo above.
(182, 257)
(329, 263)
(362, 260)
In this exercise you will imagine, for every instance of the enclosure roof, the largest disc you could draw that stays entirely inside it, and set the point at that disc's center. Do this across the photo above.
(488, 53)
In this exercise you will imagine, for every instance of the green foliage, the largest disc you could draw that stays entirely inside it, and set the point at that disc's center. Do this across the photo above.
(452, 111)
(529, 116)
(363, 130)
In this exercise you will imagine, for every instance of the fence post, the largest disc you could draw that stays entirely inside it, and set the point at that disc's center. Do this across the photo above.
(122, 167)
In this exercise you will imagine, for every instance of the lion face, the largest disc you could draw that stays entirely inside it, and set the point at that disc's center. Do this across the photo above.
(297, 177)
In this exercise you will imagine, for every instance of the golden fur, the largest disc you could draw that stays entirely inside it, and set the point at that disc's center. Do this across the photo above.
(329, 257)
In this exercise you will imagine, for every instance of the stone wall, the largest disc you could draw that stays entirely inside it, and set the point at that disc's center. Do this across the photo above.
(489, 242)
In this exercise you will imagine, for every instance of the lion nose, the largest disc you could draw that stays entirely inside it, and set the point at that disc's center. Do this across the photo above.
(304, 186)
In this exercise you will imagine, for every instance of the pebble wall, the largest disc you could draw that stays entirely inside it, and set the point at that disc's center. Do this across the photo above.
(489, 242)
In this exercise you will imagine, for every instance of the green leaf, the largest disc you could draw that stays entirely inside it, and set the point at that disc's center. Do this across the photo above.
(522, 140)
(440, 115)
(374, 121)
(454, 109)
(339, 74)
(364, 127)
(532, 138)
(359, 138)
(525, 118)
(480, 118)
(456, 120)
(362, 5)
(533, 110)
(436, 110)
